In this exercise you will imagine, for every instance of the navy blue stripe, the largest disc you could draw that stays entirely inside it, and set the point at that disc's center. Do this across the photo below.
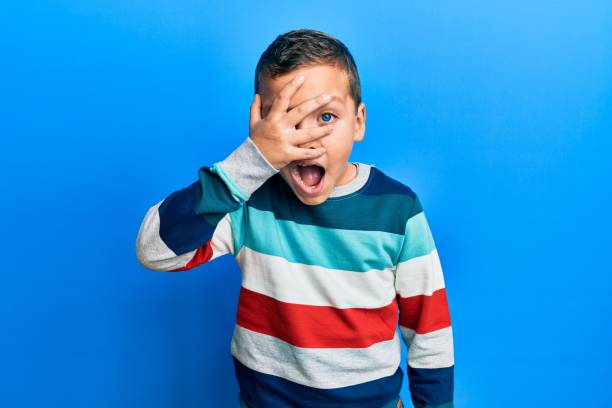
(431, 386)
(265, 390)
(382, 184)
(383, 204)
(416, 207)
(179, 226)
(188, 217)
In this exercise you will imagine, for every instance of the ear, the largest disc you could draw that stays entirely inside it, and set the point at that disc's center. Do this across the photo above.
(360, 122)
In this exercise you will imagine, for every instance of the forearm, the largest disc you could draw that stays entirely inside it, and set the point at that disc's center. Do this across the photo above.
(425, 321)
(193, 225)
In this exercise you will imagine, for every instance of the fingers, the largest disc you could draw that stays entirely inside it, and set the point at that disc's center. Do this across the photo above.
(255, 111)
(297, 114)
(299, 153)
(302, 136)
(281, 102)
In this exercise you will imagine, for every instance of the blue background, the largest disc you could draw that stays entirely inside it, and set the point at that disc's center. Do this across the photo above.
(499, 114)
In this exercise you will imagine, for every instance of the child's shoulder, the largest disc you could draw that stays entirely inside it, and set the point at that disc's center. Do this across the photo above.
(382, 183)
(388, 194)
(388, 202)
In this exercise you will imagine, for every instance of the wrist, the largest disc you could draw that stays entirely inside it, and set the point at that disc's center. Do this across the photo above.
(245, 169)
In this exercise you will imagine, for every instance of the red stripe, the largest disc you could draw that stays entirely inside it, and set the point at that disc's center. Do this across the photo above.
(423, 313)
(316, 326)
(202, 255)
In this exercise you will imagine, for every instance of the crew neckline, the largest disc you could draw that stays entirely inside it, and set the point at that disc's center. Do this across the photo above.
(363, 173)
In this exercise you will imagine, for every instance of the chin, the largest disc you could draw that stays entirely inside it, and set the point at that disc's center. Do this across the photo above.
(312, 200)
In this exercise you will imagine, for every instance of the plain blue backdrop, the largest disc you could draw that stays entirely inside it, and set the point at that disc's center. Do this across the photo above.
(497, 113)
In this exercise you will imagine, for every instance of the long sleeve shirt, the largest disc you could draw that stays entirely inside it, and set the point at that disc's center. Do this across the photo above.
(324, 287)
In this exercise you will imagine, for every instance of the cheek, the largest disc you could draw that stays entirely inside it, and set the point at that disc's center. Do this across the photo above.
(344, 130)
(339, 142)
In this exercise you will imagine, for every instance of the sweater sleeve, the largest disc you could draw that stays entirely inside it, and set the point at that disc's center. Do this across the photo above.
(200, 222)
(424, 319)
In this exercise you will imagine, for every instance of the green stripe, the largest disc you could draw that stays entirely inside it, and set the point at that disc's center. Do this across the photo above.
(393, 403)
(236, 191)
(418, 238)
(445, 405)
(352, 250)
(237, 224)
(244, 403)
(381, 211)
(214, 198)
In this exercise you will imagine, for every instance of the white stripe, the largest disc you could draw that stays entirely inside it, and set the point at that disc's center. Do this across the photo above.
(316, 367)
(314, 285)
(419, 276)
(429, 350)
(222, 241)
(153, 253)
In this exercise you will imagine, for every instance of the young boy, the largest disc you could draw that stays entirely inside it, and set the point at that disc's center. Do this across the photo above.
(331, 251)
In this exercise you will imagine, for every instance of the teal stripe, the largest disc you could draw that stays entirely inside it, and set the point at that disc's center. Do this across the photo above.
(445, 405)
(236, 191)
(243, 403)
(418, 238)
(393, 404)
(237, 224)
(213, 197)
(380, 212)
(352, 250)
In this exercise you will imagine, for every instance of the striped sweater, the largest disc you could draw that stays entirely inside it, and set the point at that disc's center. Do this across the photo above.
(324, 287)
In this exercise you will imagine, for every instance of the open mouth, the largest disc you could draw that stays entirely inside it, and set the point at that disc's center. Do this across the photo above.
(309, 179)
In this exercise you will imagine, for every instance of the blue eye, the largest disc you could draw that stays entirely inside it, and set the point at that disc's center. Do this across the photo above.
(328, 114)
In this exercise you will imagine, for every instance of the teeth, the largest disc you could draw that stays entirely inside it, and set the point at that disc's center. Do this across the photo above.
(296, 173)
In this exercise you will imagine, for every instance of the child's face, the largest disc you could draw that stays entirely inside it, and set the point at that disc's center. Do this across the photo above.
(349, 127)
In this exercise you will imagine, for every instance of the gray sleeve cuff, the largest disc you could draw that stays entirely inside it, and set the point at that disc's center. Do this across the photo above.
(247, 167)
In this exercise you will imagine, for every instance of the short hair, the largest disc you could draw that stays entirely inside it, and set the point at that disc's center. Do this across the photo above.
(303, 48)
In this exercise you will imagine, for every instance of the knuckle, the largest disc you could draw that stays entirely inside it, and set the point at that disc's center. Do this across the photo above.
(274, 129)
(323, 130)
(313, 132)
(300, 110)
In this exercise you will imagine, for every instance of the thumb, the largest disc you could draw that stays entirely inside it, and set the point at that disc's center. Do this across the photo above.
(255, 111)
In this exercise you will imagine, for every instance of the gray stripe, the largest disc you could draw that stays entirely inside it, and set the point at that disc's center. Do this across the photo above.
(363, 172)
(429, 350)
(319, 367)
(151, 251)
(248, 167)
